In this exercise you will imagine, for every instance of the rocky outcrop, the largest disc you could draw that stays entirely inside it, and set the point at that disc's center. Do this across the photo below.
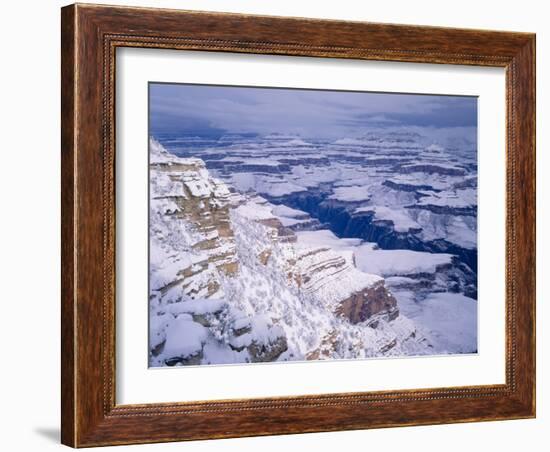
(447, 210)
(408, 187)
(369, 304)
(265, 347)
(185, 198)
(280, 232)
(433, 169)
(327, 347)
(230, 282)
(329, 277)
(267, 351)
(229, 167)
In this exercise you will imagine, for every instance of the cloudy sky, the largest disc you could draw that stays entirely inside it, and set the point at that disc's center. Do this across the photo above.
(204, 110)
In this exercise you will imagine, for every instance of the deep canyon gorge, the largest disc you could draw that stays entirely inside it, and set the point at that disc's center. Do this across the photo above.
(274, 248)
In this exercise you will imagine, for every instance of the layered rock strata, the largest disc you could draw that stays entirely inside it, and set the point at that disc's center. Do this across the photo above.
(230, 282)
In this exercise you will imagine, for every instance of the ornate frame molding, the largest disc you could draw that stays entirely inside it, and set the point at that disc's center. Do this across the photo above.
(90, 36)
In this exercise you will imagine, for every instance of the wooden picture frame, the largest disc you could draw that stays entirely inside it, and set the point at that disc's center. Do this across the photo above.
(90, 35)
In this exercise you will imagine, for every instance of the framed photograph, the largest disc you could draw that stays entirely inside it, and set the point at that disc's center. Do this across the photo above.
(281, 225)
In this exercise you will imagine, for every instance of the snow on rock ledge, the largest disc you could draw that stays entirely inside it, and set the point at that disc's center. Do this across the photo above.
(230, 283)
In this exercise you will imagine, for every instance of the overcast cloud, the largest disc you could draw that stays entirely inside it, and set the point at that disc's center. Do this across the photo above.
(213, 110)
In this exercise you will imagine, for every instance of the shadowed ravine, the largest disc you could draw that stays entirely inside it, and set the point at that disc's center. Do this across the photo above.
(337, 217)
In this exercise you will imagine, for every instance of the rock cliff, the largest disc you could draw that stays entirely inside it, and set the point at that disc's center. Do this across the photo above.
(230, 282)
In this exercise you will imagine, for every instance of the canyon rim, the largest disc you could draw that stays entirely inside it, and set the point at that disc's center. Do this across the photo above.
(294, 225)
